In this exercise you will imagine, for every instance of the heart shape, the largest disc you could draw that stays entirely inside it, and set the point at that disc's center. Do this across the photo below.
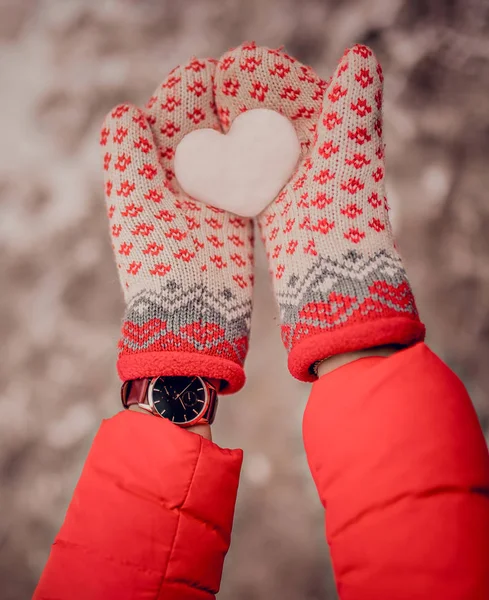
(244, 170)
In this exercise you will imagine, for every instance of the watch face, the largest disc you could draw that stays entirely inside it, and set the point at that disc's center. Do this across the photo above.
(179, 399)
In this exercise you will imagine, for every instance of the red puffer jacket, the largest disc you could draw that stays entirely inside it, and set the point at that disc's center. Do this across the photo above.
(399, 461)
(150, 518)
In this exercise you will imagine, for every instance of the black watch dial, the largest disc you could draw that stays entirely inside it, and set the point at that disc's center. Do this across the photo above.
(179, 399)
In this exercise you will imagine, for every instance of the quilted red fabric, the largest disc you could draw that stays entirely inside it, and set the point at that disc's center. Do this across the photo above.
(150, 518)
(402, 468)
(400, 464)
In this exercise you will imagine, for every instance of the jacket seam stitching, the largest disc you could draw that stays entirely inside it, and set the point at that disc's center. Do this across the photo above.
(172, 548)
(60, 542)
(191, 585)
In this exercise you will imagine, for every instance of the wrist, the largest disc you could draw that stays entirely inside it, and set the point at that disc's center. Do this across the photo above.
(334, 362)
(202, 429)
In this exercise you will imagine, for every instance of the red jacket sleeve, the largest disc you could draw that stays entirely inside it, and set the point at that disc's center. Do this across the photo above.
(402, 468)
(150, 518)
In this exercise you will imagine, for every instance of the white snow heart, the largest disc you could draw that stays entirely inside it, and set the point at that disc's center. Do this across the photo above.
(244, 170)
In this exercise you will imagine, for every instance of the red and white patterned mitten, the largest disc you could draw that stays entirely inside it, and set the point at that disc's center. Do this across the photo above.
(185, 268)
(337, 276)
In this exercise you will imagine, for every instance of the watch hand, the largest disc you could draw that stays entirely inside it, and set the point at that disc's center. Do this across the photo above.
(177, 397)
(181, 402)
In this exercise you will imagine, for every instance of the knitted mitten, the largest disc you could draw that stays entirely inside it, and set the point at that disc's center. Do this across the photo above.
(185, 268)
(337, 276)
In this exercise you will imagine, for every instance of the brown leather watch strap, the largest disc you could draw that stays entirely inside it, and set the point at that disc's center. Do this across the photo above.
(134, 392)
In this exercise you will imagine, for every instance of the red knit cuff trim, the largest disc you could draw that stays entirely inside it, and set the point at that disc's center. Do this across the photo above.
(397, 330)
(155, 364)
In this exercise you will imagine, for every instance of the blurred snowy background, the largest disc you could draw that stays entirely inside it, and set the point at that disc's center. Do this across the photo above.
(63, 64)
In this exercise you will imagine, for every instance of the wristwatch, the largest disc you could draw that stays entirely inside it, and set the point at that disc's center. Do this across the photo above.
(185, 401)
